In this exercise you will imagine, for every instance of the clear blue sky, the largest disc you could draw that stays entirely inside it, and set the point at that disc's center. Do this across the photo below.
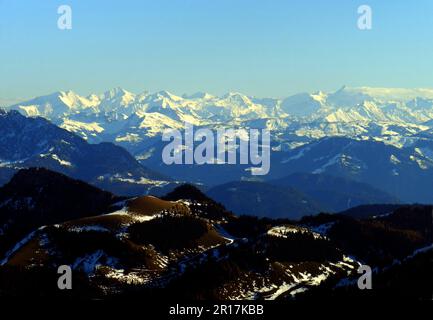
(259, 47)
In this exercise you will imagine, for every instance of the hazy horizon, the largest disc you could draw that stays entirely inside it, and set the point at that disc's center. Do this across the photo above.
(264, 49)
(4, 103)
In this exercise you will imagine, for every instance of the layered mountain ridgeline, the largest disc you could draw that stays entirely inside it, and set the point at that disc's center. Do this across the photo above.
(297, 195)
(161, 248)
(403, 173)
(335, 193)
(396, 122)
(338, 172)
(394, 174)
(264, 200)
(119, 115)
(35, 142)
(378, 146)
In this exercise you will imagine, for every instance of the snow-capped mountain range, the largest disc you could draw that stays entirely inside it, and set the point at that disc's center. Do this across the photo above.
(390, 115)
(331, 151)
(396, 123)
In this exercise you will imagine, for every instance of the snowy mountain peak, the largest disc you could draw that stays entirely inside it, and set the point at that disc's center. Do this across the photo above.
(116, 93)
(319, 96)
(382, 94)
(389, 114)
(168, 95)
(75, 101)
(236, 97)
(199, 96)
(116, 97)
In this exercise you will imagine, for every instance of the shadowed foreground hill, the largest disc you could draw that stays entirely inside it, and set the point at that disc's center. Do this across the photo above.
(187, 246)
(36, 197)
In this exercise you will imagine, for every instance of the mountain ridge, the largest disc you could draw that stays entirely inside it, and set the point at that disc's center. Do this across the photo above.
(150, 248)
(36, 142)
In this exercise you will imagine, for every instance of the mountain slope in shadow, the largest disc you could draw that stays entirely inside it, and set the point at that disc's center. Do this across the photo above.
(35, 197)
(264, 200)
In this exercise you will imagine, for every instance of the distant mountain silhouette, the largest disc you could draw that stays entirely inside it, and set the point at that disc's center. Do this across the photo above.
(334, 193)
(264, 200)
